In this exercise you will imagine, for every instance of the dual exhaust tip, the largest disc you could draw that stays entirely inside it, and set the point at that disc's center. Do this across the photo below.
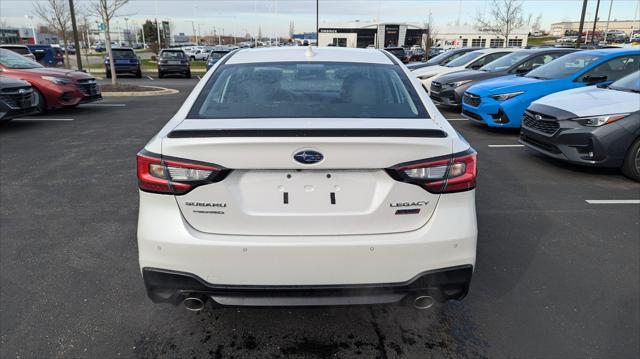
(196, 302)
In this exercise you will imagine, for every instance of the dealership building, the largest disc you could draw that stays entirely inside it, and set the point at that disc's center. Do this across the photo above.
(362, 34)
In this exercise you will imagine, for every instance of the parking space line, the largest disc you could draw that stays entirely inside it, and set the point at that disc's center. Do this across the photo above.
(613, 201)
(457, 119)
(505, 146)
(150, 78)
(43, 119)
(105, 105)
(199, 78)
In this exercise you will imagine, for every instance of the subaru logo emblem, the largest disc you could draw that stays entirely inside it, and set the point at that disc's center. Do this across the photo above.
(538, 117)
(308, 157)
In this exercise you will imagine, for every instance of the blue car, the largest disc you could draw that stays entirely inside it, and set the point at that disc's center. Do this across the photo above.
(47, 55)
(214, 56)
(125, 61)
(501, 102)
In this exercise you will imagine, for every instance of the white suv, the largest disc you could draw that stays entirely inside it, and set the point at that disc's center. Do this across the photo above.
(295, 176)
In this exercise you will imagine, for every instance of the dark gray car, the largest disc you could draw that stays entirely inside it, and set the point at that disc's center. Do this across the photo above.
(448, 89)
(16, 98)
(173, 61)
(442, 59)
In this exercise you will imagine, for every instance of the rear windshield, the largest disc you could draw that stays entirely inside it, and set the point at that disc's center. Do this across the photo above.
(123, 54)
(18, 49)
(396, 52)
(172, 55)
(563, 66)
(284, 90)
(464, 59)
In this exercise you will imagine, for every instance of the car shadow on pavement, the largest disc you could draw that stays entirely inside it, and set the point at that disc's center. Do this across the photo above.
(383, 331)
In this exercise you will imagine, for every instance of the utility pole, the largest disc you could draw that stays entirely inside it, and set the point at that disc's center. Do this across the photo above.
(74, 27)
(595, 21)
(584, 10)
(126, 27)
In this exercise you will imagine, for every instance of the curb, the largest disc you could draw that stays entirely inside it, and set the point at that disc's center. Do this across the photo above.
(161, 91)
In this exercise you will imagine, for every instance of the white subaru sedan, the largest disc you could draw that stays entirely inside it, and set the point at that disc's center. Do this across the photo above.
(307, 176)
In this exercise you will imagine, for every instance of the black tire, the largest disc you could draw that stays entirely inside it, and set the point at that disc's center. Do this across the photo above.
(160, 74)
(108, 74)
(188, 74)
(193, 58)
(139, 73)
(42, 102)
(631, 166)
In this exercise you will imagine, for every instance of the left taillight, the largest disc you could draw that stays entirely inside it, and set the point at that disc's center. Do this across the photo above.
(456, 173)
(174, 176)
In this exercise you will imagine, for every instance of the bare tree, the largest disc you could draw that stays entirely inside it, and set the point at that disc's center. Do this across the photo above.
(429, 36)
(106, 10)
(505, 16)
(55, 13)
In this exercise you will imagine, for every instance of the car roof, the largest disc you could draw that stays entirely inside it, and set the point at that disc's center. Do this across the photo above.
(123, 48)
(612, 52)
(310, 54)
(498, 49)
(13, 45)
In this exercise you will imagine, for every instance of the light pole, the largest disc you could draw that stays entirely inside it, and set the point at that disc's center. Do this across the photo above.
(33, 29)
(126, 28)
(158, 28)
(606, 30)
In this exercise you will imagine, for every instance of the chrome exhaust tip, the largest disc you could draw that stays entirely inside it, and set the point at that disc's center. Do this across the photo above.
(194, 303)
(423, 302)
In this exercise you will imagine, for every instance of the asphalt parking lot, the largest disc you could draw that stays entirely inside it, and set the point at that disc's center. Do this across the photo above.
(556, 276)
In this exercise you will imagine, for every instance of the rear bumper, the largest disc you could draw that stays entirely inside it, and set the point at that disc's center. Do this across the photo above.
(173, 68)
(173, 287)
(167, 243)
(124, 68)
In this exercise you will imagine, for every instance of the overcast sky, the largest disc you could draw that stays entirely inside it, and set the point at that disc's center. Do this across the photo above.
(273, 16)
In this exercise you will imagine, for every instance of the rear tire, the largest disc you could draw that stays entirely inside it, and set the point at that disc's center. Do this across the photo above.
(188, 74)
(139, 73)
(631, 166)
(108, 74)
(42, 102)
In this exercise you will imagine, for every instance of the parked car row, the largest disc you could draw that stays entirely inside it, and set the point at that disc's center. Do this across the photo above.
(28, 87)
(581, 107)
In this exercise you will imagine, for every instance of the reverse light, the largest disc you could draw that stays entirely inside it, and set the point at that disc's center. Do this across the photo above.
(506, 96)
(57, 80)
(443, 175)
(597, 121)
(174, 176)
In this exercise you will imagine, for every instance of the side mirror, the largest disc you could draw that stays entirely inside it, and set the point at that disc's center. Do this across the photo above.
(594, 79)
(475, 67)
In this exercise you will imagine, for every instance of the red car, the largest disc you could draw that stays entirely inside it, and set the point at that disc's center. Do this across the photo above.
(54, 87)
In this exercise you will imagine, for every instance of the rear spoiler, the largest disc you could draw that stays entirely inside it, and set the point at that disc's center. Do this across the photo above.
(337, 132)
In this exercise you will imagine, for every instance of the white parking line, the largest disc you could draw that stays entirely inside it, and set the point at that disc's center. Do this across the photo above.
(199, 78)
(150, 78)
(505, 146)
(457, 119)
(613, 201)
(105, 105)
(43, 119)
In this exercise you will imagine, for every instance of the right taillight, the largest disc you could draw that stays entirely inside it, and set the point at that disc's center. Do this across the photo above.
(440, 175)
(174, 176)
